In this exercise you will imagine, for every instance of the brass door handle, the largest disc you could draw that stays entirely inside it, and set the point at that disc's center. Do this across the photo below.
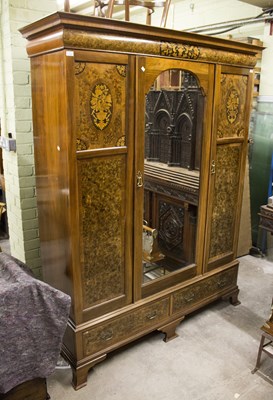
(212, 168)
(139, 179)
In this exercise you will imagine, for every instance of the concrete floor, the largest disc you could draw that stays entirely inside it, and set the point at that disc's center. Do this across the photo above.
(211, 359)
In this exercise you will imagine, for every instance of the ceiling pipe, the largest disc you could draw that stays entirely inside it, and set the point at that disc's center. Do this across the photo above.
(231, 24)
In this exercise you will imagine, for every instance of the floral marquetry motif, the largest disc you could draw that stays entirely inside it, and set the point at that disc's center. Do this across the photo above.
(85, 40)
(81, 145)
(225, 199)
(102, 198)
(101, 104)
(179, 50)
(121, 141)
(232, 106)
(101, 111)
(79, 67)
(121, 70)
(231, 117)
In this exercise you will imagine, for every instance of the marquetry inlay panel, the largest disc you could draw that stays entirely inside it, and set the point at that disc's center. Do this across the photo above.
(232, 108)
(102, 105)
(102, 224)
(225, 198)
(179, 50)
(87, 40)
(193, 294)
(110, 332)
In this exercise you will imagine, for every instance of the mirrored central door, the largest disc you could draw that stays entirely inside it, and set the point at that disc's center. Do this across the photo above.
(173, 101)
(173, 141)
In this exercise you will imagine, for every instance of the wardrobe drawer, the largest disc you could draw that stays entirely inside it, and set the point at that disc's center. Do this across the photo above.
(124, 327)
(199, 291)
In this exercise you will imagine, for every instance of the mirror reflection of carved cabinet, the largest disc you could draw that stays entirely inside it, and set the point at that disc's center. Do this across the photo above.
(173, 141)
(173, 120)
(140, 142)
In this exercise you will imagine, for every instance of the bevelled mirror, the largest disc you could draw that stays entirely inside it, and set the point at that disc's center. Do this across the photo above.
(173, 136)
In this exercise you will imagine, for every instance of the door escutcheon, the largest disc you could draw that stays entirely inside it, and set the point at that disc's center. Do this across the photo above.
(212, 169)
(139, 179)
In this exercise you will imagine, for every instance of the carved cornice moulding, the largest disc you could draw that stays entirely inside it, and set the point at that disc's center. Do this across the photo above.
(66, 31)
(86, 40)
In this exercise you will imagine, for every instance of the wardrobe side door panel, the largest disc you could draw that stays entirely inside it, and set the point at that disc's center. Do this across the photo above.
(102, 182)
(224, 208)
(104, 173)
(233, 90)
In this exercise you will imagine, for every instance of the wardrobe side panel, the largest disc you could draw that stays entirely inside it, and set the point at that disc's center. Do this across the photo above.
(232, 110)
(51, 146)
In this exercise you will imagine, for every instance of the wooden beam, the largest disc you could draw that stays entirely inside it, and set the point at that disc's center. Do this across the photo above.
(66, 6)
(165, 13)
(127, 10)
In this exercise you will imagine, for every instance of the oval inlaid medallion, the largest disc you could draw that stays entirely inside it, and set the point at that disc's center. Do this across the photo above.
(232, 106)
(101, 105)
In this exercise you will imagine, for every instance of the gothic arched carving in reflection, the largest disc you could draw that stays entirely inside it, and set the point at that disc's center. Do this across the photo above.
(173, 133)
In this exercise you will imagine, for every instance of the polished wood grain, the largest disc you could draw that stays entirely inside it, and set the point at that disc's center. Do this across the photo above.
(90, 77)
(52, 134)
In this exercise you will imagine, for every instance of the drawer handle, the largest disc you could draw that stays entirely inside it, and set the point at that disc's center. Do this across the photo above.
(151, 315)
(106, 335)
(221, 284)
(189, 298)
